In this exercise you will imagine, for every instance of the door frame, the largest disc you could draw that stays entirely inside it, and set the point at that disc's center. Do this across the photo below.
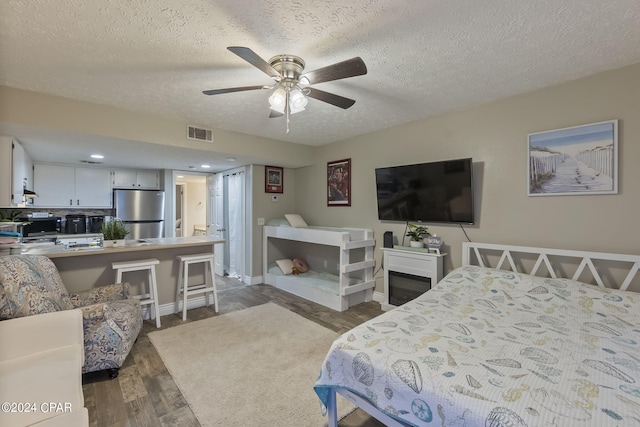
(215, 191)
(248, 214)
(183, 206)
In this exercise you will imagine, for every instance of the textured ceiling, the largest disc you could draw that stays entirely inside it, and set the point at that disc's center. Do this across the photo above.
(424, 57)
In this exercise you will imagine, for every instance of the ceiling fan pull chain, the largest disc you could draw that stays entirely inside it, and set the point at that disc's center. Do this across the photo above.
(287, 107)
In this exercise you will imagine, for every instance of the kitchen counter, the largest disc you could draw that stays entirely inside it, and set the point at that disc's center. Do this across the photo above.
(52, 250)
(86, 268)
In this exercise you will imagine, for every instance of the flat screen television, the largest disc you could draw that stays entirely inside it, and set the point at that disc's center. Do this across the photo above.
(427, 192)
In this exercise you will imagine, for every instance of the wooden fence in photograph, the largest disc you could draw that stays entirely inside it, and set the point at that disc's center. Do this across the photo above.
(599, 159)
(543, 164)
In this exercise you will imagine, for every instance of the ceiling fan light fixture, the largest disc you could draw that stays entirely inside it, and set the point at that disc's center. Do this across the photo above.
(278, 99)
(297, 101)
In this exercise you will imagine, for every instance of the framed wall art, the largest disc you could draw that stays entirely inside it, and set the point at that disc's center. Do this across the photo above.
(339, 183)
(579, 160)
(273, 179)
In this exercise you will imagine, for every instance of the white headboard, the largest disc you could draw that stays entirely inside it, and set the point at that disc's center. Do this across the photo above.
(553, 262)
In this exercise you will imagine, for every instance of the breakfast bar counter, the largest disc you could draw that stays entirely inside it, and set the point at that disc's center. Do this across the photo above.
(58, 251)
(86, 268)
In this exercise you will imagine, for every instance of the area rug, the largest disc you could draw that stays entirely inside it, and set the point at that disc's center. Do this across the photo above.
(253, 367)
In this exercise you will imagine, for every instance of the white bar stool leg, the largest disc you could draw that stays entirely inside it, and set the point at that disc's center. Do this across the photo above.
(185, 292)
(154, 288)
(213, 285)
(179, 288)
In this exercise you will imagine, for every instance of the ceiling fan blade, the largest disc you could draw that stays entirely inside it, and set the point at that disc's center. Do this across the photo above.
(341, 70)
(254, 59)
(233, 89)
(333, 99)
(275, 114)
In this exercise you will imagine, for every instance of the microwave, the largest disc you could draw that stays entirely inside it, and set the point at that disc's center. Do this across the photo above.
(41, 226)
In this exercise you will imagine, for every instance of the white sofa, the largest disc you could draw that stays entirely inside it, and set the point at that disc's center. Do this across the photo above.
(41, 360)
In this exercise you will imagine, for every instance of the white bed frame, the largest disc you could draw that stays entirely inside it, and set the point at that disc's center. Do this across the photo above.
(543, 263)
(346, 240)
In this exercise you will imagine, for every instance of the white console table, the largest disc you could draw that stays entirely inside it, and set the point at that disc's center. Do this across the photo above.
(414, 262)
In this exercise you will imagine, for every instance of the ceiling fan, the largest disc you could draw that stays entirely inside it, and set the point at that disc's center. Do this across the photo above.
(291, 86)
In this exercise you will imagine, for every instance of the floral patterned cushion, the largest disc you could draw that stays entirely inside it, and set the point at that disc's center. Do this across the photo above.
(112, 320)
(115, 292)
(30, 285)
(110, 329)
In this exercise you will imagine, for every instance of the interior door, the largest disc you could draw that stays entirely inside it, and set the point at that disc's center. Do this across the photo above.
(215, 217)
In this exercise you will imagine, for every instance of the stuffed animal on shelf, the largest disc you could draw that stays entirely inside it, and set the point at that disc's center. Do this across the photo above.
(299, 266)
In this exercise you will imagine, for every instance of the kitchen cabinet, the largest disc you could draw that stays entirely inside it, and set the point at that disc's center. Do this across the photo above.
(68, 186)
(142, 180)
(16, 172)
(93, 187)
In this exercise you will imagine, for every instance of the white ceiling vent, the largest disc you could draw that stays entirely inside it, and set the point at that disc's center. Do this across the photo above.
(199, 134)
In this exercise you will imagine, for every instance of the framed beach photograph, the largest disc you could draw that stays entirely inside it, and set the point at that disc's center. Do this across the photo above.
(339, 183)
(579, 160)
(273, 179)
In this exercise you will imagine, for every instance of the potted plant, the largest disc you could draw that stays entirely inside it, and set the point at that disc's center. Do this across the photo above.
(417, 234)
(114, 233)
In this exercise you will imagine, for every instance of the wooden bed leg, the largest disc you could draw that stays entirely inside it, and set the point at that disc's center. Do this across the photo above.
(332, 409)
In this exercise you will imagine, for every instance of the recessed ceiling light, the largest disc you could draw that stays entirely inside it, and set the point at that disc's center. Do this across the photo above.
(205, 166)
(231, 159)
(180, 176)
(97, 156)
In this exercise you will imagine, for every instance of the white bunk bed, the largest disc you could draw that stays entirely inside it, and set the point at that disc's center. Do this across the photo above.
(339, 292)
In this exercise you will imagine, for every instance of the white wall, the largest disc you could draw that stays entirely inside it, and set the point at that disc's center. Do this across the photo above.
(495, 135)
(43, 111)
(196, 204)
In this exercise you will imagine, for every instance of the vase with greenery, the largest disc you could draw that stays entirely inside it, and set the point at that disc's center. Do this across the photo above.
(114, 232)
(417, 233)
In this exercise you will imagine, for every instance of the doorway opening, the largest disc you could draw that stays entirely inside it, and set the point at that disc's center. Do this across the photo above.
(190, 205)
(217, 205)
(180, 208)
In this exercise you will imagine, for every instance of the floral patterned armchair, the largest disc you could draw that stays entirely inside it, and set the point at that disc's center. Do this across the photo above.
(31, 284)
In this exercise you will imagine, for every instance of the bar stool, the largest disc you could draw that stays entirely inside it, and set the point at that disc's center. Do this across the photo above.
(147, 298)
(184, 289)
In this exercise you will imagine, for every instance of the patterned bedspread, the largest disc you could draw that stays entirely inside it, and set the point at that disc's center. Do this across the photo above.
(494, 348)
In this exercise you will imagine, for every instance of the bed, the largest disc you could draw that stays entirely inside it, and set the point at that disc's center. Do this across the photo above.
(499, 346)
(353, 283)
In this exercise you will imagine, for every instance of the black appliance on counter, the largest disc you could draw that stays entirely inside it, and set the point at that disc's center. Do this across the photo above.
(40, 224)
(95, 223)
(75, 224)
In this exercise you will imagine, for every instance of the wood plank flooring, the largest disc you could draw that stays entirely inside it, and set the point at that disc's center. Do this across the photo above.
(144, 394)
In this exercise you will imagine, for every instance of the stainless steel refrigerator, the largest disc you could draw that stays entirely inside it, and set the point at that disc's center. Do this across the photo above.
(142, 211)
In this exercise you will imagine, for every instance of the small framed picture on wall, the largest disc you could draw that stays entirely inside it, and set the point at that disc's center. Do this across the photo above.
(339, 183)
(273, 179)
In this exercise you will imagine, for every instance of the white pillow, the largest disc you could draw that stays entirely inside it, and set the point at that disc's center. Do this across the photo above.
(295, 220)
(286, 265)
(279, 222)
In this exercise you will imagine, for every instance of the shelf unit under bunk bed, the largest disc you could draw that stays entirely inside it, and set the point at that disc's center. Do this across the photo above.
(338, 294)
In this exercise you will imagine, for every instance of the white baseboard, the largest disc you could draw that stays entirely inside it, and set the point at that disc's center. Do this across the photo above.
(255, 280)
(201, 301)
(378, 297)
(169, 308)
